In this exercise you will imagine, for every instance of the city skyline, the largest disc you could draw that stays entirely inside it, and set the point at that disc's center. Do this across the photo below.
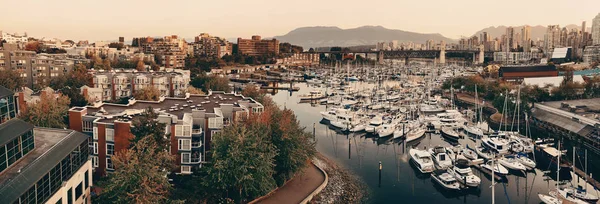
(232, 19)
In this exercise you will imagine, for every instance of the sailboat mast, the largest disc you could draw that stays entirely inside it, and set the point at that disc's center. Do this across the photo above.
(493, 182)
(558, 168)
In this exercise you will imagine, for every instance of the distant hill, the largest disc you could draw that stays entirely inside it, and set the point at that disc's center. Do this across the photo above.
(308, 37)
(536, 31)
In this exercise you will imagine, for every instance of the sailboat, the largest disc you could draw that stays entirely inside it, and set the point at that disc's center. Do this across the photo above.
(557, 196)
(579, 192)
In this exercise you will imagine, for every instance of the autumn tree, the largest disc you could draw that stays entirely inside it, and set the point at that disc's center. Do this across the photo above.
(242, 163)
(47, 112)
(253, 91)
(140, 175)
(106, 64)
(193, 90)
(11, 79)
(34, 46)
(148, 93)
(140, 66)
(147, 125)
(214, 83)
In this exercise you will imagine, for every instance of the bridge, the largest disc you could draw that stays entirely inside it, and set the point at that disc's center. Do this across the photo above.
(475, 56)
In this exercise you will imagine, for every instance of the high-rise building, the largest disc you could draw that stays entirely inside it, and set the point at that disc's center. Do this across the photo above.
(213, 46)
(596, 30)
(526, 38)
(42, 165)
(511, 40)
(552, 38)
(257, 46)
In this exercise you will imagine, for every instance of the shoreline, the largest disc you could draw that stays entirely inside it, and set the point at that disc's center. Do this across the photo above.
(343, 186)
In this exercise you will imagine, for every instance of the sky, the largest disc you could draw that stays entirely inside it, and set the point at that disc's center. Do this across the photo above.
(108, 19)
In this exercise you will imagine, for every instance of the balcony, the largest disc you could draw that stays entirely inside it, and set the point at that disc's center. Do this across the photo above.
(197, 144)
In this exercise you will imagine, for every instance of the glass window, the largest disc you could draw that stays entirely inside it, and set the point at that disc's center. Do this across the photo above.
(185, 158)
(95, 161)
(3, 164)
(186, 169)
(95, 133)
(110, 135)
(86, 179)
(78, 191)
(95, 147)
(109, 164)
(70, 196)
(185, 144)
(110, 149)
(88, 127)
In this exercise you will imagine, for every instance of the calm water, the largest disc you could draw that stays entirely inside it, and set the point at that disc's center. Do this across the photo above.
(400, 182)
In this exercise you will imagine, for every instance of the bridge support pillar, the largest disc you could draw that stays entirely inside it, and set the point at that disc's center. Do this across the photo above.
(443, 56)
(380, 57)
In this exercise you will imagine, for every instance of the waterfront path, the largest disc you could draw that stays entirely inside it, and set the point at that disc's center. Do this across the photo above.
(297, 189)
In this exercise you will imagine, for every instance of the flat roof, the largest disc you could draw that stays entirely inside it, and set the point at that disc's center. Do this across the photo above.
(593, 105)
(13, 128)
(535, 68)
(4, 92)
(51, 146)
(207, 103)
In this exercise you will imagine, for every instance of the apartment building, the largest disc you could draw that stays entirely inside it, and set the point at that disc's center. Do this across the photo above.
(171, 49)
(207, 45)
(117, 84)
(42, 165)
(191, 122)
(257, 46)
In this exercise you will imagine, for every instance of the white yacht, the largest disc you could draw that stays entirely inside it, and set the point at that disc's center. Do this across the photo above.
(463, 173)
(511, 162)
(373, 124)
(497, 143)
(441, 159)
(483, 152)
(312, 95)
(498, 169)
(526, 161)
(445, 179)
(450, 133)
(469, 153)
(421, 159)
(386, 130)
(581, 194)
(344, 122)
(415, 134)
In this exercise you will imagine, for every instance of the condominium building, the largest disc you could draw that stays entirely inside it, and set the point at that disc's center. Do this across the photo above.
(191, 122)
(43, 165)
(117, 84)
(591, 54)
(171, 49)
(596, 30)
(257, 46)
(207, 45)
(13, 38)
(552, 38)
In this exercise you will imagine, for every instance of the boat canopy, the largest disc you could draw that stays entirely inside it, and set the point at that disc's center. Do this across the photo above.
(552, 151)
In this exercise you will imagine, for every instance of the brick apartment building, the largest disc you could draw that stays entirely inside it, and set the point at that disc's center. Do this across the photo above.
(257, 46)
(207, 45)
(171, 49)
(117, 84)
(190, 124)
(41, 165)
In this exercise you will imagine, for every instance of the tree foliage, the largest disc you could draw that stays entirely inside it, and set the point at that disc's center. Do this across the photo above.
(140, 175)
(11, 79)
(147, 125)
(148, 93)
(253, 91)
(214, 83)
(48, 112)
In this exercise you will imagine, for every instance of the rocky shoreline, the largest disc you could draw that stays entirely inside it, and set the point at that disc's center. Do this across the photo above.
(343, 186)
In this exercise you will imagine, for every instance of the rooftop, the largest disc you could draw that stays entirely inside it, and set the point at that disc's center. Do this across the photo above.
(51, 146)
(4, 92)
(13, 128)
(589, 108)
(535, 68)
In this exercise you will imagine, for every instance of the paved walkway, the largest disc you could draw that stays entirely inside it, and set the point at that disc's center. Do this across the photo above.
(298, 188)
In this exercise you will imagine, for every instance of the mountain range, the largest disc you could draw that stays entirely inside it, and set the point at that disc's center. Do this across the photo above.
(320, 36)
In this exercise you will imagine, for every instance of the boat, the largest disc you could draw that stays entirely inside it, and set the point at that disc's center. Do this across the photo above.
(441, 159)
(314, 81)
(344, 122)
(358, 128)
(313, 95)
(421, 159)
(557, 195)
(450, 133)
(581, 194)
(497, 168)
(512, 163)
(483, 152)
(373, 124)
(549, 199)
(415, 134)
(463, 173)
(386, 130)
(566, 197)
(445, 179)
(526, 161)
(497, 143)
(469, 153)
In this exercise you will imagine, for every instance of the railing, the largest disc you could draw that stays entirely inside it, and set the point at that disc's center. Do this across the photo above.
(195, 160)
(197, 131)
(196, 144)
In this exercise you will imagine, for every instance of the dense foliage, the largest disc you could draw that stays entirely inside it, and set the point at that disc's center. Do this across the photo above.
(48, 112)
(11, 79)
(147, 125)
(148, 93)
(214, 83)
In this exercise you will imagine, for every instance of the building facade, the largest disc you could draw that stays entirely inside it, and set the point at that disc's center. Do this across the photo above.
(552, 38)
(591, 54)
(191, 122)
(43, 165)
(171, 49)
(257, 46)
(207, 45)
(596, 30)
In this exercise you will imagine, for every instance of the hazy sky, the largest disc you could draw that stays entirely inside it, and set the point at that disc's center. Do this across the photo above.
(109, 19)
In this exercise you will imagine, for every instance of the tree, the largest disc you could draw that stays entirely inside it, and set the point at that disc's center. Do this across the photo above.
(148, 93)
(75, 78)
(11, 79)
(140, 175)
(48, 112)
(76, 99)
(106, 64)
(34, 46)
(147, 125)
(214, 83)
(254, 92)
(242, 162)
(193, 90)
(140, 66)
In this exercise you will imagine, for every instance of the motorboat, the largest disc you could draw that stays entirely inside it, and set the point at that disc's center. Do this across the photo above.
(386, 130)
(581, 194)
(441, 159)
(474, 130)
(373, 124)
(526, 161)
(497, 168)
(469, 153)
(344, 122)
(358, 127)
(332, 113)
(445, 179)
(497, 143)
(463, 173)
(512, 163)
(313, 95)
(422, 159)
(314, 81)
(450, 133)
(483, 152)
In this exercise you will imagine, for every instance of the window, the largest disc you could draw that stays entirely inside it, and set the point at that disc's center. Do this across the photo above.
(110, 135)
(186, 169)
(95, 147)
(78, 191)
(110, 149)
(87, 127)
(109, 164)
(59, 201)
(70, 196)
(185, 144)
(95, 161)
(86, 180)
(185, 158)
(95, 133)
